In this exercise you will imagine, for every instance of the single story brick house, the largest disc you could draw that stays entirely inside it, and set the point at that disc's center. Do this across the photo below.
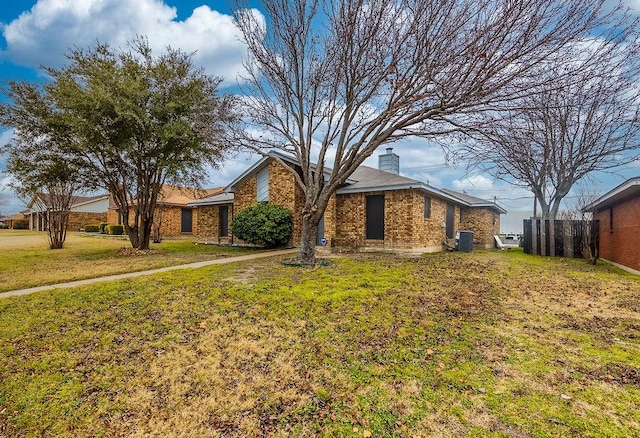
(619, 214)
(173, 212)
(374, 209)
(84, 210)
(9, 220)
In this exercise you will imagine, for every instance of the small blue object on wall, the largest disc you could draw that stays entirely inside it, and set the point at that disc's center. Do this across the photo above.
(323, 241)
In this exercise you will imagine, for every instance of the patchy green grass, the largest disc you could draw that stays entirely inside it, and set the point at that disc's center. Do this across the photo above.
(26, 260)
(484, 344)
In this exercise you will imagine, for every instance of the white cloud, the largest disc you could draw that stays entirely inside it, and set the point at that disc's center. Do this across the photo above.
(474, 182)
(44, 34)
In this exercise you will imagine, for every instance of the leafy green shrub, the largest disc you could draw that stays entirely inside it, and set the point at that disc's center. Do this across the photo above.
(20, 224)
(103, 227)
(4, 227)
(92, 228)
(115, 230)
(268, 225)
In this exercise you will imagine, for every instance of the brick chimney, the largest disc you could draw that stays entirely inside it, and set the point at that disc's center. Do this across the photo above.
(389, 162)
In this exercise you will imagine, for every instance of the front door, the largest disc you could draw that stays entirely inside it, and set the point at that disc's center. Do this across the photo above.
(187, 216)
(451, 211)
(375, 217)
(224, 221)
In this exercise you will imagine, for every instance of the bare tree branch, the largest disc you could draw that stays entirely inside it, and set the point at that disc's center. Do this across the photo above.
(575, 125)
(332, 80)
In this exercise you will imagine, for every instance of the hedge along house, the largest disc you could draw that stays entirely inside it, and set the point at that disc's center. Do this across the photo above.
(173, 214)
(618, 212)
(374, 209)
(84, 210)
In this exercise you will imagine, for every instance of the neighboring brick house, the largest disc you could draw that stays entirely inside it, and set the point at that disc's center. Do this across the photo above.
(618, 212)
(84, 210)
(173, 212)
(374, 209)
(9, 220)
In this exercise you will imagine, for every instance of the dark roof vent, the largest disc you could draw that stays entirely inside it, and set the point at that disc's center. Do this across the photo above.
(389, 162)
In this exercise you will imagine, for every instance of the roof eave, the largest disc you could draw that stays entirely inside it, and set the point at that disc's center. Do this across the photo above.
(390, 187)
(627, 188)
(101, 198)
(420, 186)
(230, 188)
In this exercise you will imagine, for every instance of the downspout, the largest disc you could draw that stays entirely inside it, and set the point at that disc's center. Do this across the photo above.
(231, 222)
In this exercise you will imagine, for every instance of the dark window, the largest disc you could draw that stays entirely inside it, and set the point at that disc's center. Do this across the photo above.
(224, 221)
(187, 216)
(427, 207)
(611, 219)
(375, 217)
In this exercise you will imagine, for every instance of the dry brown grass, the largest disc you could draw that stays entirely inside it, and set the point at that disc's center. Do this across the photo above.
(482, 344)
(26, 260)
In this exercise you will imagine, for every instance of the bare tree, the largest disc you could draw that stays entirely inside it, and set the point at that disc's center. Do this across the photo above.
(329, 81)
(577, 124)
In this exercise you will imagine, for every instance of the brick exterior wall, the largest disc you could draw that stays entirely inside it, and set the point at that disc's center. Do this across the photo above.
(330, 222)
(245, 195)
(282, 184)
(404, 224)
(209, 224)
(483, 222)
(171, 225)
(112, 216)
(78, 219)
(621, 243)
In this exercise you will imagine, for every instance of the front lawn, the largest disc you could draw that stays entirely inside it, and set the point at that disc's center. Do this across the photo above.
(26, 260)
(451, 344)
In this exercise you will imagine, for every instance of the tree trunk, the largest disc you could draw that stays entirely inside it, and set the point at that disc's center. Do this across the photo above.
(156, 226)
(132, 232)
(57, 230)
(307, 254)
(144, 232)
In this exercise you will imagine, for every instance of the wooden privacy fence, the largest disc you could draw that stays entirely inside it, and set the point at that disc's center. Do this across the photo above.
(561, 238)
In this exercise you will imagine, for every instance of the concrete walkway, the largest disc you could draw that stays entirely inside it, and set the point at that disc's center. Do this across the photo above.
(195, 265)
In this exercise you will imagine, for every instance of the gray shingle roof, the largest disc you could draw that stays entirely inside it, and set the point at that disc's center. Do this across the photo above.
(368, 177)
(364, 179)
(472, 201)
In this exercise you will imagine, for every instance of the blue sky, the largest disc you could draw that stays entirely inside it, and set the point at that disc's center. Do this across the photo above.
(33, 33)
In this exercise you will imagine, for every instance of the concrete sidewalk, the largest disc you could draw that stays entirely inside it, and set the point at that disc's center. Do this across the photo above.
(195, 265)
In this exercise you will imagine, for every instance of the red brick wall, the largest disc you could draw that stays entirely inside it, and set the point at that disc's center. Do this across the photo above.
(622, 243)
